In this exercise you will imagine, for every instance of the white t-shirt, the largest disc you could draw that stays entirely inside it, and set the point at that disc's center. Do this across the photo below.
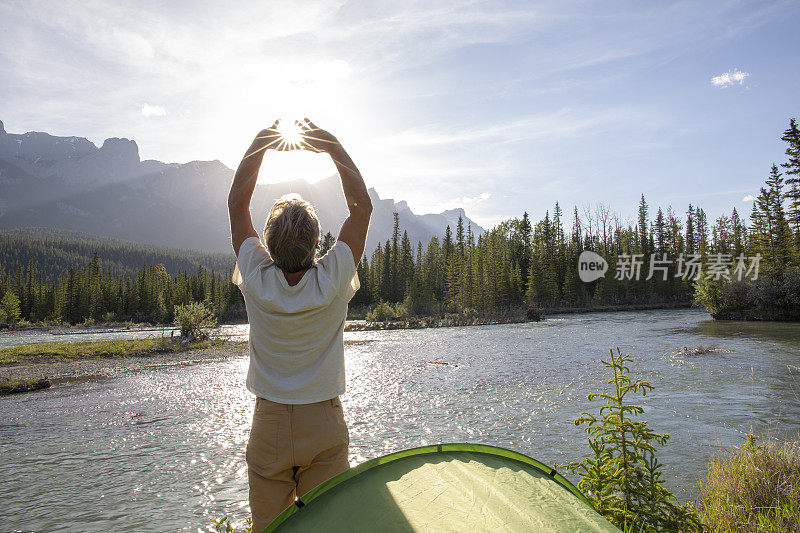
(296, 332)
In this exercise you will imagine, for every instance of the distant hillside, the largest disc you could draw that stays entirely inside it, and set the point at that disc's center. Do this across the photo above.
(54, 251)
(69, 183)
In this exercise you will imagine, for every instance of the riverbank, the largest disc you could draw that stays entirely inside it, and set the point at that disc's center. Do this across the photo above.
(37, 361)
(355, 321)
(618, 308)
(424, 322)
(757, 316)
(514, 316)
(84, 326)
(111, 348)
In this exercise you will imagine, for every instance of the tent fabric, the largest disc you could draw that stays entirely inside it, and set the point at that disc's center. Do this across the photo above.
(444, 487)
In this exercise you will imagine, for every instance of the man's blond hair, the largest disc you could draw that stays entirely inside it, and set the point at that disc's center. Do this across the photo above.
(292, 233)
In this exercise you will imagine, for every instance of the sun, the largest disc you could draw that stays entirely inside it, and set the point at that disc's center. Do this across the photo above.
(290, 132)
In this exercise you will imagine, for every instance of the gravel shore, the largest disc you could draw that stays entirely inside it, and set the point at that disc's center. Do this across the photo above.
(107, 366)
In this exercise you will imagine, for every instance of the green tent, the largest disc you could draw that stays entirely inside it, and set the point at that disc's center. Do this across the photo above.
(444, 487)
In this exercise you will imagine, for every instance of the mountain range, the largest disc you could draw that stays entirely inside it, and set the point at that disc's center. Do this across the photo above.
(69, 183)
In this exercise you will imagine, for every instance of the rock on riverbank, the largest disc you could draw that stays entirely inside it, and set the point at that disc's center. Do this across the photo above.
(13, 387)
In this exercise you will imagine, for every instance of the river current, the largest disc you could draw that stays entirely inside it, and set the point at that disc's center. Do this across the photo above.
(163, 449)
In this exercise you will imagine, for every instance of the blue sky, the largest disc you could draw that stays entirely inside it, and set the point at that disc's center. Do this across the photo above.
(497, 107)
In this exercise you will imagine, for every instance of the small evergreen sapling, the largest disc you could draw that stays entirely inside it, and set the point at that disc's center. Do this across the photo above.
(622, 476)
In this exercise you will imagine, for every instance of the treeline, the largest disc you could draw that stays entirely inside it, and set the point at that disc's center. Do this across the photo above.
(91, 292)
(521, 263)
(774, 234)
(53, 251)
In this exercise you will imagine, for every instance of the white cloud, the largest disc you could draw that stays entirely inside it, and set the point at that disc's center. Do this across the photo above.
(748, 198)
(564, 123)
(732, 77)
(459, 201)
(149, 110)
(473, 199)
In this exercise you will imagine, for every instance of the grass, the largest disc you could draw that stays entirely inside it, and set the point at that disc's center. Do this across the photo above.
(70, 351)
(755, 487)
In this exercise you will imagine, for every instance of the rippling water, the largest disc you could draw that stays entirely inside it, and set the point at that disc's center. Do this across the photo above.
(163, 450)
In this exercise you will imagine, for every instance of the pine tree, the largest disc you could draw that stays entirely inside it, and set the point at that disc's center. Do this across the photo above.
(326, 244)
(558, 250)
(376, 273)
(450, 276)
(702, 233)
(691, 240)
(675, 241)
(406, 273)
(783, 238)
(660, 233)
(739, 235)
(772, 235)
(525, 230)
(395, 290)
(434, 268)
(460, 242)
(758, 226)
(622, 476)
(453, 278)
(643, 226)
(30, 291)
(722, 235)
(792, 166)
(387, 280)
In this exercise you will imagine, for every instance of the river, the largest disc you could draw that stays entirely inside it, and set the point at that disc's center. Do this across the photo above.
(163, 450)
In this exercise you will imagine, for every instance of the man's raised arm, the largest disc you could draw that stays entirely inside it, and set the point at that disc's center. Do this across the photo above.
(354, 229)
(244, 183)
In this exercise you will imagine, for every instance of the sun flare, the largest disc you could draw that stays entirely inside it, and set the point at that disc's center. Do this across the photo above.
(290, 132)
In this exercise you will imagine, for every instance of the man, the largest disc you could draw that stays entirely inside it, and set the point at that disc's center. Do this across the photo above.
(296, 308)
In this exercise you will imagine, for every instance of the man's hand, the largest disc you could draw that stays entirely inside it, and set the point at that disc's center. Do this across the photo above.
(272, 139)
(354, 229)
(316, 139)
(244, 183)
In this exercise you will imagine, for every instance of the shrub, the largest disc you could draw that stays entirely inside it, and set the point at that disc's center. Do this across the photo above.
(755, 487)
(709, 294)
(622, 477)
(194, 320)
(385, 312)
(9, 307)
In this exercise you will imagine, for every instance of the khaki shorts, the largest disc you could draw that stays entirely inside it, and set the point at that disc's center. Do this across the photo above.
(292, 449)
